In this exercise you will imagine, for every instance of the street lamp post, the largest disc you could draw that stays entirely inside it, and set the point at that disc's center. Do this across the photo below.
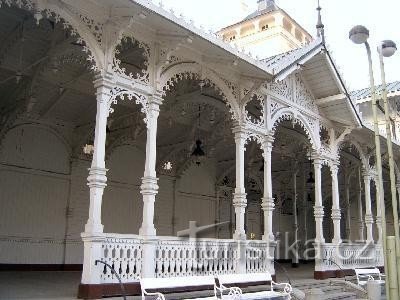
(359, 35)
(387, 49)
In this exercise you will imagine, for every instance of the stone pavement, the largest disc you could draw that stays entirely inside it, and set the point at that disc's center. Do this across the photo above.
(64, 285)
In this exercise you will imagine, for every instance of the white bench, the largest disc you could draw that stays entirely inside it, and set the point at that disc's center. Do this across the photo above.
(364, 275)
(156, 288)
(233, 284)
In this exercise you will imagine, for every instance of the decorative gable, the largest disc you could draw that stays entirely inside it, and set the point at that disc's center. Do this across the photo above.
(294, 89)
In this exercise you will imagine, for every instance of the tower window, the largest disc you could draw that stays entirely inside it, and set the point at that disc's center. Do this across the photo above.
(232, 38)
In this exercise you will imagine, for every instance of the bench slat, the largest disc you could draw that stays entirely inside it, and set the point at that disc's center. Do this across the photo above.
(244, 278)
(176, 282)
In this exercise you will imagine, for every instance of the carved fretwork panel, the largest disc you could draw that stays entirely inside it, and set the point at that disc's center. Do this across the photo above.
(303, 96)
(293, 89)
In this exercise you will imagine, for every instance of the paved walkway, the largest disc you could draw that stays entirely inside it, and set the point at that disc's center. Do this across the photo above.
(64, 285)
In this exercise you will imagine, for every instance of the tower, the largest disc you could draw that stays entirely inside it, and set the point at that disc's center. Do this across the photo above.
(267, 31)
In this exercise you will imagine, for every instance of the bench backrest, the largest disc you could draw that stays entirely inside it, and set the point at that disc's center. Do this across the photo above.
(255, 278)
(178, 283)
(367, 271)
(363, 274)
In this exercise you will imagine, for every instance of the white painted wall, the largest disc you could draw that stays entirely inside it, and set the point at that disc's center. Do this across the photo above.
(34, 181)
(44, 197)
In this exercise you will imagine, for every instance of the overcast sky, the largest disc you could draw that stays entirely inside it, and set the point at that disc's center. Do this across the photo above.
(381, 17)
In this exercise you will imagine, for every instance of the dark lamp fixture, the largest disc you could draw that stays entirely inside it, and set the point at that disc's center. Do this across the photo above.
(309, 197)
(198, 152)
(310, 181)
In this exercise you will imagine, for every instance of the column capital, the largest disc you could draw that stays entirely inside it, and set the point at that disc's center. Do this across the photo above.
(105, 80)
(268, 140)
(155, 100)
(240, 133)
(317, 162)
(334, 167)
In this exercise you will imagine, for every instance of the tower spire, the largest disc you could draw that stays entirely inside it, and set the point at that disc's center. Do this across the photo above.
(320, 26)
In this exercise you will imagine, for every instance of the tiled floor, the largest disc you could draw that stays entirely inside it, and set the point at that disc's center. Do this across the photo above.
(64, 285)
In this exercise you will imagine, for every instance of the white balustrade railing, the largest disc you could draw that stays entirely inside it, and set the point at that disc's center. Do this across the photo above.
(348, 256)
(260, 257)
(357, 255)
(176, 257)
(180, 257)
(124, 254)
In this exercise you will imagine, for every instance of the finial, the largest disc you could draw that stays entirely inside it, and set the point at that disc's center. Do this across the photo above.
(320, 26)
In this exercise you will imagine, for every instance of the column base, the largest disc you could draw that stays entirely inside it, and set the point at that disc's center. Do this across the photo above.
(337, 241)
(150, 232)
(240, 236)
(268, 238)
(93, 228)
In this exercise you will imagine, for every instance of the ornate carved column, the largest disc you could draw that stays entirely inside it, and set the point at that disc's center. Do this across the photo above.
(336, 215)
(295, 258)
(318, 208)
(348, 207)
(149, 187)
(239, 197)
(97, 181)
(268, 204)
(360, 208)
(369, 220)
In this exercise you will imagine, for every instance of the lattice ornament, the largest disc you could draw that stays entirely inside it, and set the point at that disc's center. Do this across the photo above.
(144, 74)
(282, 88)
(303, 96)
(259, 122)
(120, 94)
